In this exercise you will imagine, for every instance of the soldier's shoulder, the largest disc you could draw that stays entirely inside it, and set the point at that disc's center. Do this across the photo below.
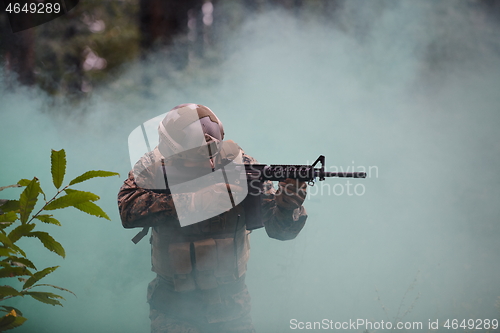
(149, 159)
(230, 150)
(144, 171)
(247, 159)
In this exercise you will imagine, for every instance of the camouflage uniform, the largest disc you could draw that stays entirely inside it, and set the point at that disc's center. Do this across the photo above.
(189, 294)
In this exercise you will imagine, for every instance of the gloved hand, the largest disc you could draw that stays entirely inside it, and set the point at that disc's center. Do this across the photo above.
(215, 198)
(291, 194)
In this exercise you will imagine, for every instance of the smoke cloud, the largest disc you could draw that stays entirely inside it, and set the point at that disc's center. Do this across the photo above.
(406, 89)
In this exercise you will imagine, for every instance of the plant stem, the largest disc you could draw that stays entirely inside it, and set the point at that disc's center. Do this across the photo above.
(46, 203)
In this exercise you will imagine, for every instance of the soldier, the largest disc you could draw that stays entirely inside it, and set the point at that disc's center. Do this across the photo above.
(201, 264)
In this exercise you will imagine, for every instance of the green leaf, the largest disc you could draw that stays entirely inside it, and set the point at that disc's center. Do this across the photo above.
(47, 298)
(28, 199)
(48, 219)
(8, 186)
(21, 262)
(20, 231)
(58, 166)
(50, 243)
(9, 309)
(44, 198)
(5, 251)
(71, 198)
(92, 209)
(8, 320)
(10, 206)
(18, 250)
(71, 191)
(11, 320)
(23, 182)
(38, 275)
(92, 174)
(8, 291)
(60, 288)
(14, 271)
(8, 217)
(5, 240)
(4, 225)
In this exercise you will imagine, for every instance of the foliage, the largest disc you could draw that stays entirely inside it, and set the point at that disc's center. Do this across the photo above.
(17, 221)
(66, 48)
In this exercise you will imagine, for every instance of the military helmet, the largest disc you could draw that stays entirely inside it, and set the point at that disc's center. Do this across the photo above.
(190, 131)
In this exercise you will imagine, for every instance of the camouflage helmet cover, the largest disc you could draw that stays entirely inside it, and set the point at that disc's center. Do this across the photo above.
(190, 131)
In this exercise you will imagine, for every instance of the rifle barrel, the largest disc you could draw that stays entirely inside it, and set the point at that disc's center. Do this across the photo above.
(346, 174)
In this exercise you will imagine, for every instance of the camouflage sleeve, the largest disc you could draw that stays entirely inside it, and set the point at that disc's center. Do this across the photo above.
(279, 223)
(139, 207)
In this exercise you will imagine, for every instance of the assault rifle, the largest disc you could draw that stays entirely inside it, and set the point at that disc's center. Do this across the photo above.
(307, 173)
(254, 174)
(258, 173)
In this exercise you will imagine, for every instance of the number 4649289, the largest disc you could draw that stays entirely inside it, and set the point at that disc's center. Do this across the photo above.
(472, 324)
(34, 8)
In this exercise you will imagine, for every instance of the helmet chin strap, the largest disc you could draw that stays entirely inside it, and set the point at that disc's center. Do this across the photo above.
(211, 158)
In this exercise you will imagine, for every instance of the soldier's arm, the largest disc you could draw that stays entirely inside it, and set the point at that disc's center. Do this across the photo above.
(140, 207)
(280, 223)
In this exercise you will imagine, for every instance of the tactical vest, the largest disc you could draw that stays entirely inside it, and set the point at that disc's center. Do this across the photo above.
(206, 254)
(203, 255)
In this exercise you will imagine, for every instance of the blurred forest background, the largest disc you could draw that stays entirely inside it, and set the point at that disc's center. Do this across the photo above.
(86, 48)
